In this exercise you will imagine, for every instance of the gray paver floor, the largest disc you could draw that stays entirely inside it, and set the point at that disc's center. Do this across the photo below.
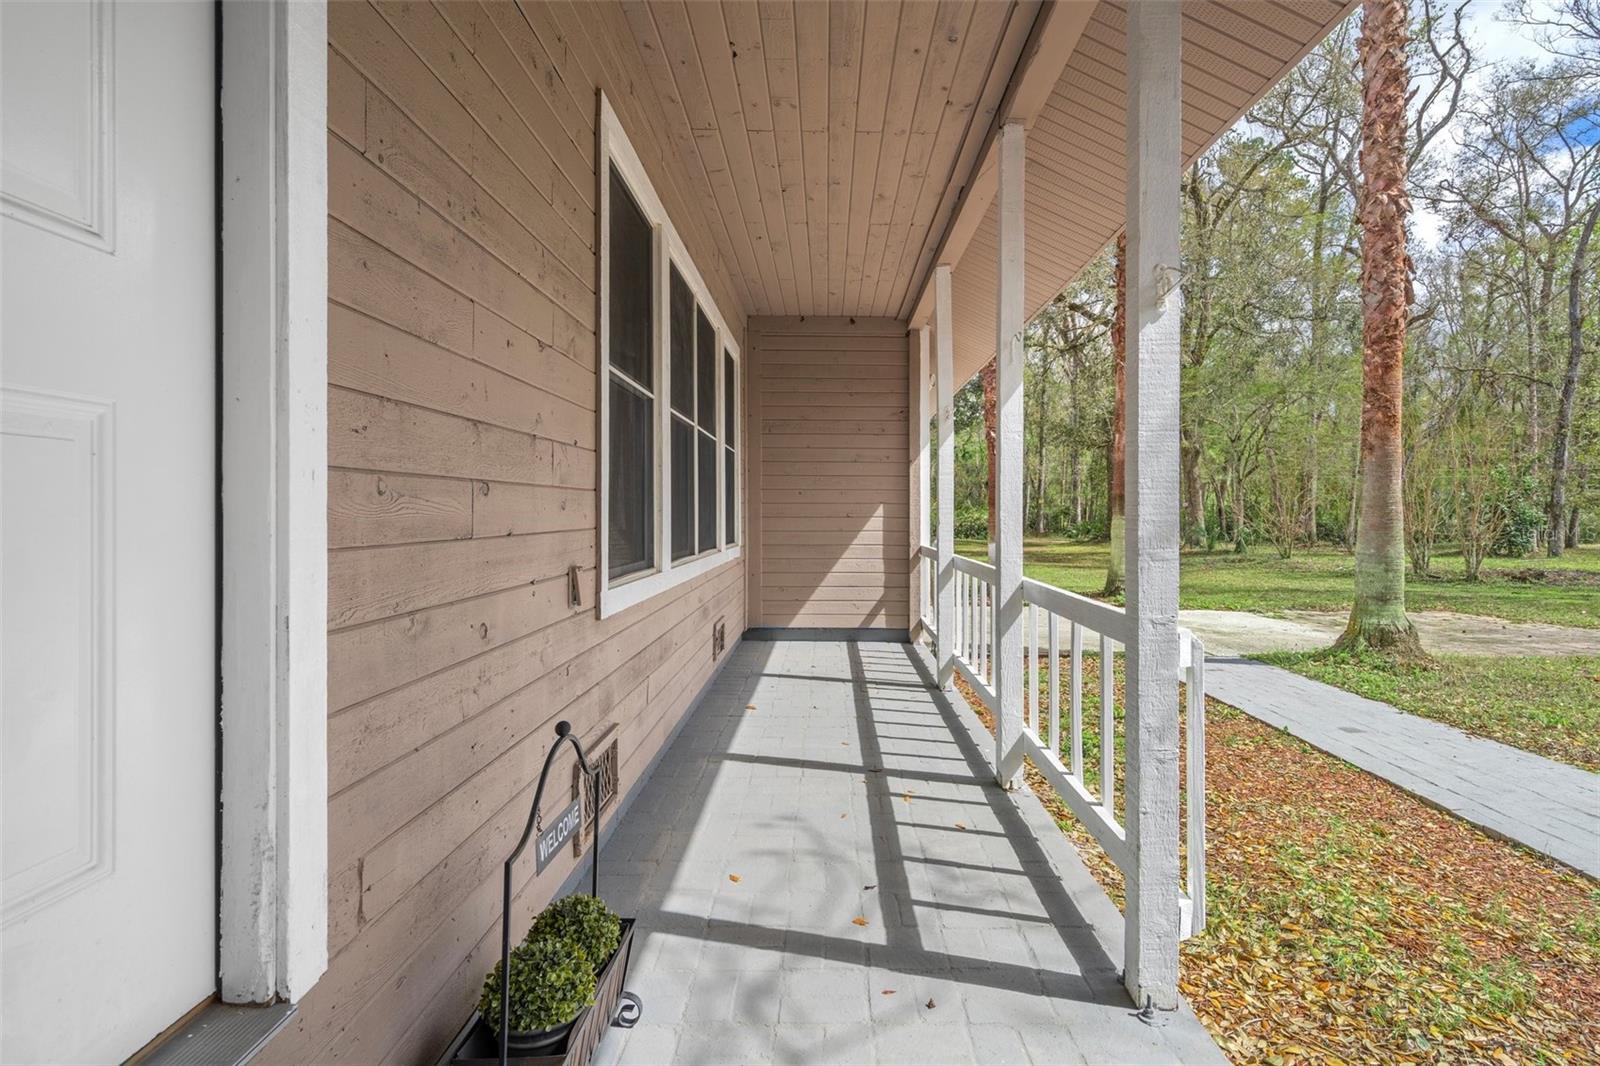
(852, 789)
(1547, 806)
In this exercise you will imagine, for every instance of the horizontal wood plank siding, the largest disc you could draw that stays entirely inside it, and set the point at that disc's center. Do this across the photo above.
(462, 487)
(829, 488)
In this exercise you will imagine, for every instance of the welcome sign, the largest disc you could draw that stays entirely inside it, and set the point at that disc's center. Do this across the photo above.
(563, 829)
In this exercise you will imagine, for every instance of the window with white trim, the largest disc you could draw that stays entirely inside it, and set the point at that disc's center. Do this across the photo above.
(669, 501)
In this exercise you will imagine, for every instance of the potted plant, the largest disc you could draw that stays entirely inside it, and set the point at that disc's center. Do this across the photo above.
(561, 988)
(552, 981)
(586, 921)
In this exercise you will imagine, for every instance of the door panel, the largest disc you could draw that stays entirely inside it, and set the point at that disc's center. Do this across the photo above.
(107, 525)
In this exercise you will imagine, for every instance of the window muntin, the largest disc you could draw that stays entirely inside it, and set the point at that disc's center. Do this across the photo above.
(631, 439)
(665, 515)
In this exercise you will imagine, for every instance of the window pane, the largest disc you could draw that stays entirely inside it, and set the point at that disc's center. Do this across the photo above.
(629, 289)
(682, 489)
(708, 492)
(682, 346)
(707, 375)
(730, 485)
(730, 398)
(631, 473)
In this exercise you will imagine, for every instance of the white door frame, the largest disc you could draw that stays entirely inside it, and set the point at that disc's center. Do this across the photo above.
(274, 583)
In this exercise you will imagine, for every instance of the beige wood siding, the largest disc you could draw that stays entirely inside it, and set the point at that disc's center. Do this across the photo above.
(462, 486)
(829, 459)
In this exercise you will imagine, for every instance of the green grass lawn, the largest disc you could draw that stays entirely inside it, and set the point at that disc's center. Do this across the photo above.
(1323, 579)
(1548, 706)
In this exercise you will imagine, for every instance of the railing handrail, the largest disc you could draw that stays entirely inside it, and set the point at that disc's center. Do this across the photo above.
(1097, 615)
(1102, 617)
(984, 572)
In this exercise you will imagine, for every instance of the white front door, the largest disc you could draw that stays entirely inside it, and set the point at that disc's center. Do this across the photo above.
(108, 704)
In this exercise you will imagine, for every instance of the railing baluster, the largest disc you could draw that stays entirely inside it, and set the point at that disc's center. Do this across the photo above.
(1032, 665)
(1053, 701)
(1195, 735)
(1075, 683)
(1108, 734)
(961, 615)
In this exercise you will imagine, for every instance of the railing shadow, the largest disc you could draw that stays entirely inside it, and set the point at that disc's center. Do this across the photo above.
(752, 790)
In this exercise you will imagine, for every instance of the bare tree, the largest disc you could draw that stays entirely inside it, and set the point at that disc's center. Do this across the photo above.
(1561, 454)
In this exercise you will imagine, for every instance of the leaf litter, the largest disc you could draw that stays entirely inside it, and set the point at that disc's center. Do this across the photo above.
(1349, 922)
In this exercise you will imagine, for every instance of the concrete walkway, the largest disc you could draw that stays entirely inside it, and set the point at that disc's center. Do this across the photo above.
(1442, 632)
(1547, 806)
(824, 871)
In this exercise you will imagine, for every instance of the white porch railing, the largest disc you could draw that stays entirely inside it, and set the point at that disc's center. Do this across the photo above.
(1083, 622)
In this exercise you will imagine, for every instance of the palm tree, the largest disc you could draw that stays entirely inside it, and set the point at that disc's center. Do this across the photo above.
(1115, 492)
(1378, 618)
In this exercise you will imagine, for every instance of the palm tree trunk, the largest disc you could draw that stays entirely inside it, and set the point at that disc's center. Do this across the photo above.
(1116, 492)
(991, 439)
(1378, 618)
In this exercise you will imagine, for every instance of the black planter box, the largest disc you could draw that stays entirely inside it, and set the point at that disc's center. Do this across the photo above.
(477, 1045)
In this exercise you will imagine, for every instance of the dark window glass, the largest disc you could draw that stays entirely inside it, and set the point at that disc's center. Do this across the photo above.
(730, 399)
(682, 489)
(631, 510)
(708, 493)
(629, 286)
(682, 308)
(730, 487)
(707, 375)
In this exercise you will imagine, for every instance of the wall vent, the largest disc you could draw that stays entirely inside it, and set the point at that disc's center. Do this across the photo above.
(604, 755)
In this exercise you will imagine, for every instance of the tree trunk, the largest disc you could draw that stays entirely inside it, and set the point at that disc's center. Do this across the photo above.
(991, 440)
(1116, 467)
(1194, 501)
(1378, 617)
(1561, 456)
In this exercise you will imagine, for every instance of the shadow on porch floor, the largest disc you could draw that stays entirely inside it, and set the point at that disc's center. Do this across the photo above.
(823, 871)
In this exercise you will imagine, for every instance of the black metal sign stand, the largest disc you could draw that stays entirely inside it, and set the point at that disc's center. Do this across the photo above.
(563, 733)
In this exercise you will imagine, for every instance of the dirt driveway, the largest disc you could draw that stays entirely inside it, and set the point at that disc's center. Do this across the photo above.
(1244, 633)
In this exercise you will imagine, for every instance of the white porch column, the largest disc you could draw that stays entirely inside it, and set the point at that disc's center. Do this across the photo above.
(1154, 156)
(1008, 664)
(944, 374)
(920, 410)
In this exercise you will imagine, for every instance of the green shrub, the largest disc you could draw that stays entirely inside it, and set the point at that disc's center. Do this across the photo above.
(551, 982)
(584, 920)
(972, 523)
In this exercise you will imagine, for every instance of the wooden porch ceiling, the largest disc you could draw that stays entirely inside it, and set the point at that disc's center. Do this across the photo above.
(844, 145)
(833, 137)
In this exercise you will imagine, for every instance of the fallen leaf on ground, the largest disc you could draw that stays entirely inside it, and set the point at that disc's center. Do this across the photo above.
(735, 878)
(961, 826)
(888, 991)
(858, 920)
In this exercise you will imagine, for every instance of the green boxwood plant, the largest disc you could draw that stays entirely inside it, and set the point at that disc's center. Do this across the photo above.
(584, 920)
(552, 980)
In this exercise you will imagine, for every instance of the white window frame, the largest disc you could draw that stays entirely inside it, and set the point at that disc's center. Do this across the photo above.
(667, 251)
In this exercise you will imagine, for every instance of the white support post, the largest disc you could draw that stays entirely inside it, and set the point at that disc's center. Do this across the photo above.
(1154, 921)
(1008, 663)
(945, 373)
(919, 411)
